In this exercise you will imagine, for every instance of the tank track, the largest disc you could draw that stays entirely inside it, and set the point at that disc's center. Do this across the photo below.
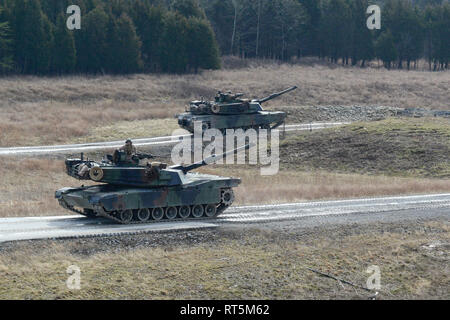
(220, 209)
(268, 127)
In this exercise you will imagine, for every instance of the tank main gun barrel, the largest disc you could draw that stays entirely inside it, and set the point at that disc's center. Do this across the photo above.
(209, 160)
(275, 95)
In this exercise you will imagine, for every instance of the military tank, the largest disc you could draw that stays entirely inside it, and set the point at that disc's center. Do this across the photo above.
(131, 193)
(229, 111)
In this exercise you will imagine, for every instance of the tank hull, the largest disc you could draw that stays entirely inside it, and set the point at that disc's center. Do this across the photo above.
(112, 201)
(260, 119)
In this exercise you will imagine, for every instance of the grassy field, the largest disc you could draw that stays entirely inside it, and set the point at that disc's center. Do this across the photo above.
(390, 157)
(35, 111)
(211, 264)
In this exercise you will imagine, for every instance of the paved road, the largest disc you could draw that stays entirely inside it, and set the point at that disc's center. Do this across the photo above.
(341, 211)
(167, 140)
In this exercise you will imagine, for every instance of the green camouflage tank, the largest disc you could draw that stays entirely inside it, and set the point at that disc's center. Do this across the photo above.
(229, 111)
(131, 193)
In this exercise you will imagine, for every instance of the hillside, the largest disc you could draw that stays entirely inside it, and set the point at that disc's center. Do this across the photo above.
(404, 147)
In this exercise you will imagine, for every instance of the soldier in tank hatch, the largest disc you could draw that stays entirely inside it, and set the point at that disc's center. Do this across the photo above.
(129, 149)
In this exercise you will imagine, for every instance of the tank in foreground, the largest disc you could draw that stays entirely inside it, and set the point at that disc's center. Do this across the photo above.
(229, 111)
(130, 193)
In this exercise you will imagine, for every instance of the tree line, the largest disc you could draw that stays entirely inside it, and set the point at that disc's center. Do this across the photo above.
(178, 36)
(116, 36)
(334, 30)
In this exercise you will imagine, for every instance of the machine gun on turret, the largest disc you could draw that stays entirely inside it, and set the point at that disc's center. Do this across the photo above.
(142, 156)
(228, 97)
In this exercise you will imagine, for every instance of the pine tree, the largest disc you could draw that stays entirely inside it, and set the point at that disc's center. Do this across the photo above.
(46, 46)
(124, 46)
(149, 22)
(174, 57)
(385, 48)
(309, 45)
(291, 20)
(430, 17)
(188, 8)
(362, 43)
(6, 59)
(53, 8)
(335, 29)
(91, 42)
(402, 19)
(221, 15)
(64, 52)
(442, 34)
(203, 51)
(30, 49)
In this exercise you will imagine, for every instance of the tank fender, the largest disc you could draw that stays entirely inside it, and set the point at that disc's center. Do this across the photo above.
(59, 193)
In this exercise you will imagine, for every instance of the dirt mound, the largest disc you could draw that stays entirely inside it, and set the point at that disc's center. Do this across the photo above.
(410, 147)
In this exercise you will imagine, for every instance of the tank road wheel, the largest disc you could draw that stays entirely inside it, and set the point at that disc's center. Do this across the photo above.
(96, 173)
(197, 211)
(184, 212)
(126, 216)
(171, 213)
(210, 210)
(143, 215)
(227, 197)
(157, 213)
(215, 108)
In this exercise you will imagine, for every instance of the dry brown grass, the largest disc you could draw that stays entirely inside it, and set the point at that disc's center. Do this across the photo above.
(51, 123)
(291, 186)
(273, 266)
(27, 186)
(57, 110)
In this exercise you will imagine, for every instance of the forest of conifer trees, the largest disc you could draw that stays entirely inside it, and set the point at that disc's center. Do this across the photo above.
(115, 37)
(180, 36)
